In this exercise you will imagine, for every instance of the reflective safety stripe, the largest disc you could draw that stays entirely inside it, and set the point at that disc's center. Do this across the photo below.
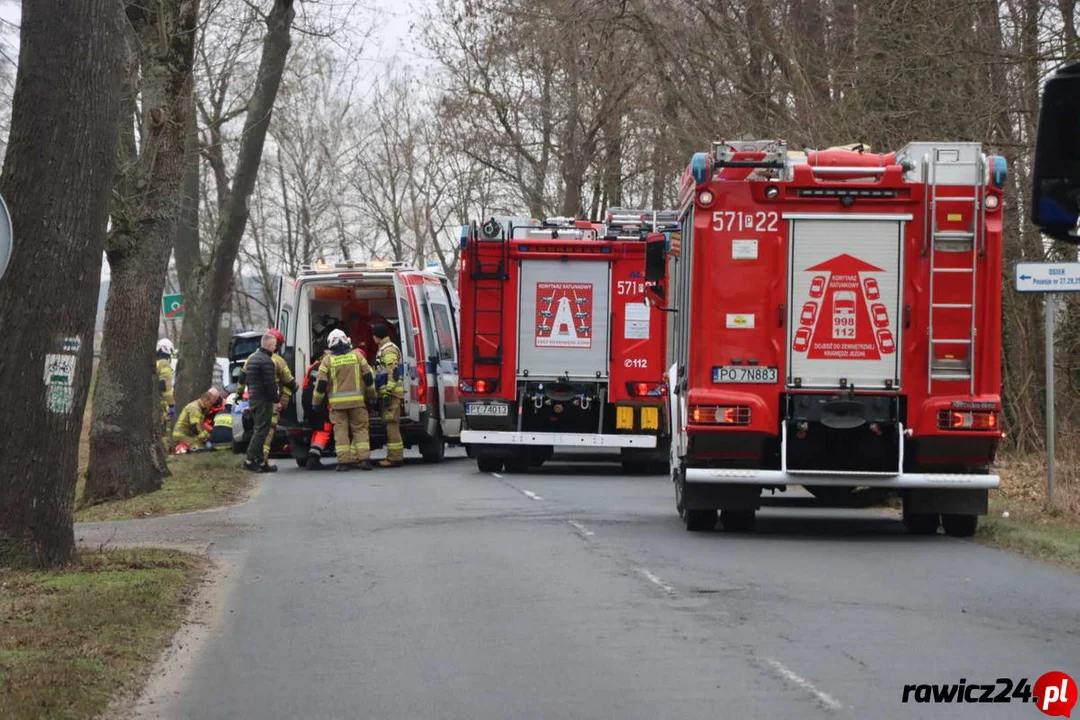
(223, 420)
(395, 446)
(346, 396)
(361, 446)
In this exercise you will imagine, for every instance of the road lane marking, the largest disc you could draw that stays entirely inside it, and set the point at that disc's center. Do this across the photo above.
(824, 698)
(656, 581)
(497, 475)
(581, 528)
(531, 495)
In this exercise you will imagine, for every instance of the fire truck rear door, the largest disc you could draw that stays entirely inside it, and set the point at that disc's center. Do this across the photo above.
(844, 305)
(564, 318)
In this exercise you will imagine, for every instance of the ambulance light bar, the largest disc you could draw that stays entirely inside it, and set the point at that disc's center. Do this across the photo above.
(356, 266)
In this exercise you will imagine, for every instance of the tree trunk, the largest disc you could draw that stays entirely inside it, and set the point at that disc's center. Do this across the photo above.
(212, 283)
(186, 250)
(126, 454)
(57, 175)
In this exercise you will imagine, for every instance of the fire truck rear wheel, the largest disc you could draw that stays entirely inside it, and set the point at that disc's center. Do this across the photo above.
(699, 520)
(921, 523)
(960, 525)
(489, 465)
(518, 465)
(738, 520)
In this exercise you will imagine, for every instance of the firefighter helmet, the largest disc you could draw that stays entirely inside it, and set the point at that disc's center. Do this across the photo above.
(337, 337)
(165, 346)
(276, 334)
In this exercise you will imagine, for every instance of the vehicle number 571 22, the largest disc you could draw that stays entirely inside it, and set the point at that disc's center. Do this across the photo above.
(735, 221)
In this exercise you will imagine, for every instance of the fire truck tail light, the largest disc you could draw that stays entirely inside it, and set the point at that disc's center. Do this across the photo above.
(705, 198)
(952, 420)
(720, 415)
(478, 386)
(992, 202)
(640, 389)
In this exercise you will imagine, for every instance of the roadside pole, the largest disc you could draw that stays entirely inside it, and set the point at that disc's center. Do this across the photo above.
(1051, 306)
(1049, 279)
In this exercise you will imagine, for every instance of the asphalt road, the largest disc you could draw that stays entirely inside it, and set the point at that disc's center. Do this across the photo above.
(575, 592)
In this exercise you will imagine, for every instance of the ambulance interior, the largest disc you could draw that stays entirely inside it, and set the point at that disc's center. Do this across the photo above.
(353, 308)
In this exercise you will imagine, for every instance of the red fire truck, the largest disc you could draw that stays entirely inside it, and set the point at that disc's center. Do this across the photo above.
(560, 349)
(837, 325)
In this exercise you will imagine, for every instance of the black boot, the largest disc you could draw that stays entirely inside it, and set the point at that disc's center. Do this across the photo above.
(345, 467)
(314, 463)
(364, 465)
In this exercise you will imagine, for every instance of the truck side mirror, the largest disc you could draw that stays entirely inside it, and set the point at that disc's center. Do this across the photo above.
(655, 257)
(1055, 202)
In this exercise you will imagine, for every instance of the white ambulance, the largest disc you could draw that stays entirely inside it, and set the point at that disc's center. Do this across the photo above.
(420, 308)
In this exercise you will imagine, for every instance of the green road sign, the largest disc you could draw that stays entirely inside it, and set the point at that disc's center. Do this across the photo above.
(172, 306)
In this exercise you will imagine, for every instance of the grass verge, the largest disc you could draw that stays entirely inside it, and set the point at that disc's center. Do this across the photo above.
(1032, 526)
(198, 481)
(72, 639)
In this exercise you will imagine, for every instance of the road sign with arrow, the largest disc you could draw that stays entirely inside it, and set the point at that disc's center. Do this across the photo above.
(1043, 277)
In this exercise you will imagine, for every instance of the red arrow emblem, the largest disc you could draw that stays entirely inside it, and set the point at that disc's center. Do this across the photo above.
(840, 315)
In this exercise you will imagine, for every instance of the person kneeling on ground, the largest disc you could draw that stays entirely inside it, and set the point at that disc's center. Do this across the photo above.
(263, 400)
(189, 430)
(221, 436)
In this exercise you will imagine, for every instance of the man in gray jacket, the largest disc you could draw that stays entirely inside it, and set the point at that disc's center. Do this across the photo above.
(261, 381)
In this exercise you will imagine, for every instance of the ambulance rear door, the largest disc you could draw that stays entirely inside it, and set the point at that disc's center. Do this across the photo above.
(443, 351)
(409, 336)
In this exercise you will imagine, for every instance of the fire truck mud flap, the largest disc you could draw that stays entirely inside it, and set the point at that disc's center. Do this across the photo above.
(484, 437)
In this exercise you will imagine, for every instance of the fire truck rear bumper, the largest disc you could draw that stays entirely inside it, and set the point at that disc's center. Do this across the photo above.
(489, 437)
(901, 481)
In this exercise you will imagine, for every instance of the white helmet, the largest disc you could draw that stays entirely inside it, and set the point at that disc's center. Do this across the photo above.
(337, 337)
(165, 345)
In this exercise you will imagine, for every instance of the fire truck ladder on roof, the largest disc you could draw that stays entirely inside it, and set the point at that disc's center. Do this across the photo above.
(490, 280)
(945, 244)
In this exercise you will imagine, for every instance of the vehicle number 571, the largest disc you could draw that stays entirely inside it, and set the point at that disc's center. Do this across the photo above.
(735, 221)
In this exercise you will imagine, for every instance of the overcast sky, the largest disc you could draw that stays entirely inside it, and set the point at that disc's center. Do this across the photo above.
(391, 37)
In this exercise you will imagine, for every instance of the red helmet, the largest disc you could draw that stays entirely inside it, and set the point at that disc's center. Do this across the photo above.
(277, 336)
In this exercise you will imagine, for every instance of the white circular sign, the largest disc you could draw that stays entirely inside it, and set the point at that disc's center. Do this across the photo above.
(5, 237)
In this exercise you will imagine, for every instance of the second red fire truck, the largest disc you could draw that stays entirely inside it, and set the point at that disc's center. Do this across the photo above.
(559, 348)
(837, 326)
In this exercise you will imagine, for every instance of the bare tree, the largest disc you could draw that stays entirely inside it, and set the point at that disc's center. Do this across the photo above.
(126, 454)
(211, 280)
(65, 112)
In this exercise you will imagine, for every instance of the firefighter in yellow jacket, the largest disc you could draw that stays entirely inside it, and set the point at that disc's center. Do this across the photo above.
(286, 386)
(164, 353)
(391, 394)
(346, 379)
(190, 431)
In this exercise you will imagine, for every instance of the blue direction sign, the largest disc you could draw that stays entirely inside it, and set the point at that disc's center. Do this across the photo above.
(1048, 277)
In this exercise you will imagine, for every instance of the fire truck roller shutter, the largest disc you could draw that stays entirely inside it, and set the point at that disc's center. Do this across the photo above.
(563, 319)
(844, 297)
